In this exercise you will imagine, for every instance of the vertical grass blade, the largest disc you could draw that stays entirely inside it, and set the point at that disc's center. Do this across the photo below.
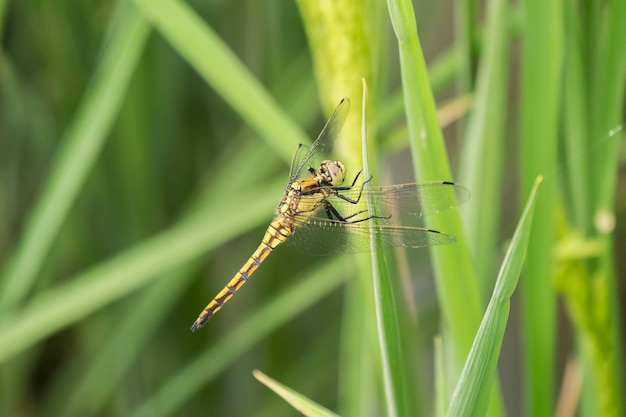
(388, 336)
(455, 275)
(541, 82)
(471, 393)
(576, 125)
(482, 156)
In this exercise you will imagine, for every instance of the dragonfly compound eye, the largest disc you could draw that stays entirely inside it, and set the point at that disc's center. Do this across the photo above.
(335, 170)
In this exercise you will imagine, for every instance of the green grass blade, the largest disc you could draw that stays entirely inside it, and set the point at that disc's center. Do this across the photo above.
(482, 156)
(384, 306)
(455, 275)
(576, 125)
(464, 42)
(606, 111)
(222, 70)
(607, 100)
(541, 81)
(77, 153)
(441, 395)
(298, 401)
(472, 390)
(340, 38)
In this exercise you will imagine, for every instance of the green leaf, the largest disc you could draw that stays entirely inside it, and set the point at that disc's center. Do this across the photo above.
(387, 324)
(297, 400)
(482, 158)
(472, 390)
(542, 73)
(455, 275)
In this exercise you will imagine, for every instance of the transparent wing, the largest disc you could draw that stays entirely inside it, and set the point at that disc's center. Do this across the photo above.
(403, 204)
(321, 236)
(398, 209)
(312, 156)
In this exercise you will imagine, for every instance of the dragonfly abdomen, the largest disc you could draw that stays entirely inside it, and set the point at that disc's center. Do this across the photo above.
(276, 234)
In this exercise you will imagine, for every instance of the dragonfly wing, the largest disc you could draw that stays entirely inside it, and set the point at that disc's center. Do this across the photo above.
(397, 208)
(318, 236)
(306, 157)
(401, 204)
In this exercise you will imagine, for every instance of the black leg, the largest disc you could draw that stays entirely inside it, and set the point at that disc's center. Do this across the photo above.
(332, 211)
(357, 177)
(350, 200)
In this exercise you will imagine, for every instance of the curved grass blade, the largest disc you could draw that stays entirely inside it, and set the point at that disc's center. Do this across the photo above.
(297, 400)
(455, 275)
(472, 390)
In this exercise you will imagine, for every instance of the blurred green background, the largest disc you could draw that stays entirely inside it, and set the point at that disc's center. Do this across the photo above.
(144, 145)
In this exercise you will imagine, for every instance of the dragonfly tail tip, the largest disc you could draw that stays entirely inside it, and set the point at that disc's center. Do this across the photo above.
(195, 326)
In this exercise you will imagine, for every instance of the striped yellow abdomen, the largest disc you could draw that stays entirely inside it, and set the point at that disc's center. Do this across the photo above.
(276, 233)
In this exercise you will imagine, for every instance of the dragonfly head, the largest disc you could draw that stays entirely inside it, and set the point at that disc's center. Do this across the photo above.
(333, 172)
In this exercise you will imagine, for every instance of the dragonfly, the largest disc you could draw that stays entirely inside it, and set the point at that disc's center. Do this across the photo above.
(320, 215)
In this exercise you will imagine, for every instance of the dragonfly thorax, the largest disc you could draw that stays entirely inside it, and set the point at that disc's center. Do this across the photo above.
(332, 172)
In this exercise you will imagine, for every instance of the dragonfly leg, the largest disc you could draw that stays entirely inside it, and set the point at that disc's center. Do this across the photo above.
(358, 174)
(373, 216)
(351, 200)
(332, 211)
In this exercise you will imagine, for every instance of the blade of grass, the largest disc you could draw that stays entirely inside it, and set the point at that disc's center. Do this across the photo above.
(297, 400)
(384, 306)
(455, 275)
(286, 305)
(222, 70)
(340, 39)
(606, 111)
(464, 42)
(472, 390)
(441, 72)
(441, 395)
(541, 82)
(482, 156)
(77, 153)
(576, 124)
(607, 100)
